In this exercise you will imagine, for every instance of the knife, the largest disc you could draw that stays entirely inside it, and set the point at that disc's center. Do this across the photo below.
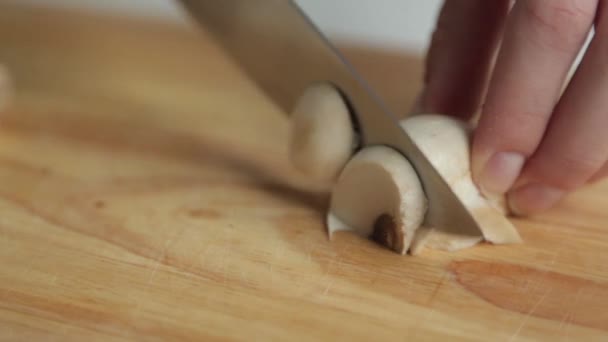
(282, 51)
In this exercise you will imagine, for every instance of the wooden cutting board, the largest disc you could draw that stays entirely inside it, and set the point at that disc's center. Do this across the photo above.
(145, 195)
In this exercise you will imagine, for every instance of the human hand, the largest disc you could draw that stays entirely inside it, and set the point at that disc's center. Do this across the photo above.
(535, 141)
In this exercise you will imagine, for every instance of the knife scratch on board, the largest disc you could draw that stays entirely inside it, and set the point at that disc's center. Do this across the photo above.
(564, 321)
(54, 280)
(157, 262)
(438, 287)
(529, 314)
(330, 284)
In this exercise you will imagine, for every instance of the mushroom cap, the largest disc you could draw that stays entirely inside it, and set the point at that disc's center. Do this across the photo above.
(322, 135)
(379, 195)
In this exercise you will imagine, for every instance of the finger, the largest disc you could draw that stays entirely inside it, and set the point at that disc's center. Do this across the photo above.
(460, 56)
(576, 144)
(542, 39)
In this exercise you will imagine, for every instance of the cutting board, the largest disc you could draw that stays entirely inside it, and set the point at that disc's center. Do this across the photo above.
(145, 194)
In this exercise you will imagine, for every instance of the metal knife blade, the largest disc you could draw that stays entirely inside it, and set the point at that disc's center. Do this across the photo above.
(280, 49)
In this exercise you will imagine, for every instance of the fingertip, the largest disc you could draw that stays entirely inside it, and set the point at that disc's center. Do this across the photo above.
(481, 152)
(533, 198)
(499, 173)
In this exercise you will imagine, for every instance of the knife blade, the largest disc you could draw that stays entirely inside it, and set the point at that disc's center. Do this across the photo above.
(283, 52)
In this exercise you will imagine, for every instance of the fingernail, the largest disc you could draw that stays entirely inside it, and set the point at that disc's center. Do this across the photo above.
(533, 198)
(500, 172)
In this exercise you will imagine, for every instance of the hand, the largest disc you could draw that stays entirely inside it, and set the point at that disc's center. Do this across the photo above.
(535, 141)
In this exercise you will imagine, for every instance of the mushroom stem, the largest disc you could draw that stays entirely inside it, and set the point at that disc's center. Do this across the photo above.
(387, 234)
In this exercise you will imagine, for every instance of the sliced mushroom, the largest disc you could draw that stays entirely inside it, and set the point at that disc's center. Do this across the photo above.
(446, 143)
(378, 195)
(322, 134)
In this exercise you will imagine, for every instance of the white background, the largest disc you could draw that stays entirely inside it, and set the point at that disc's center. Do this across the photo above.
(402, 24)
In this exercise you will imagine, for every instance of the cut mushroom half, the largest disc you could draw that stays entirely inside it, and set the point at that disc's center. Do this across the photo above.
(378, 195)
(323, 138)
(446, 142)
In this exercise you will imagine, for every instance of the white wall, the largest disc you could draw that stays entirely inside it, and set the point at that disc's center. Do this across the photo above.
(405, 24)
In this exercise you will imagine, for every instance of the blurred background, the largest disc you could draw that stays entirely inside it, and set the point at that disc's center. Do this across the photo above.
(394, 24)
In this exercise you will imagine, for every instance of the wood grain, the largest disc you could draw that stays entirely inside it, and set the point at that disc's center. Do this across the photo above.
(145, 195)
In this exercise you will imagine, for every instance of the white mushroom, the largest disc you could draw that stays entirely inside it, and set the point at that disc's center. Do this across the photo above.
(322, 134)
(446, 143)
(379, 195)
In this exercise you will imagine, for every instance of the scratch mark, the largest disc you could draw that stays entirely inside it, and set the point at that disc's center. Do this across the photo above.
(222, 267)
(278, 251)
(63, 334)
(310, 247)
(529, 314)
(555, 255)
(421, 323)
(23, 274)
(583, 298)
(568, 326)
(564, 321)
(410, 284)
(8, 334)
(437, 287)
(327, 272)
(157, 263)
(54, 280)
(430, 314)
(328, 287)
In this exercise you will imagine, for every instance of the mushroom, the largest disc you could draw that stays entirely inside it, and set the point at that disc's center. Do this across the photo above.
(376, 192)
(445, 141)
(322, 135)
(378, 195)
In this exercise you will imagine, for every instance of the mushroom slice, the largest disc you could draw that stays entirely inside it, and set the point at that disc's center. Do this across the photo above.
(378, 195)
(446, 143)
(322, 134)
